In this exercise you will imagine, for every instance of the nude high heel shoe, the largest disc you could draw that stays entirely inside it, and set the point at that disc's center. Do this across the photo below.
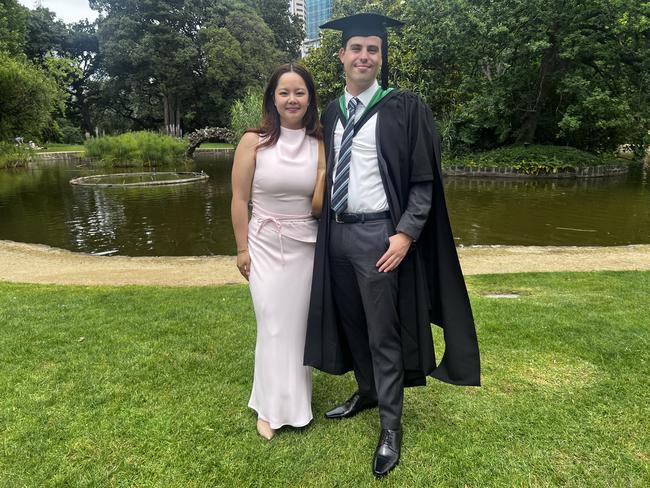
(265, 430)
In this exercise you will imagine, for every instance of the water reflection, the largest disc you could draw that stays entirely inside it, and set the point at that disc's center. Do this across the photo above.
(39, 205)
(599, 211)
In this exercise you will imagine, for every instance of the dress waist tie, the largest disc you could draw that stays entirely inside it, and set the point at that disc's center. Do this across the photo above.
(277, 221)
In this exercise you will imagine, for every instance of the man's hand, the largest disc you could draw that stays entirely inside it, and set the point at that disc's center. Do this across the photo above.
(399, 246)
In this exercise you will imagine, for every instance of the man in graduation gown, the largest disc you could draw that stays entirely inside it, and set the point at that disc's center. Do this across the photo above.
(386, 265)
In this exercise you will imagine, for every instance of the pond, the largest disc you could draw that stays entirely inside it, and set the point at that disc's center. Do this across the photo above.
(39, 205)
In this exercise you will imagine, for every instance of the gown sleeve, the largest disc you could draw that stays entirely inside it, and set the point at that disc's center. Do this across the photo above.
(423, 141)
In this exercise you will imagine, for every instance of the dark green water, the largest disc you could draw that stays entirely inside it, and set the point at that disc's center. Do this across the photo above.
(38, 205)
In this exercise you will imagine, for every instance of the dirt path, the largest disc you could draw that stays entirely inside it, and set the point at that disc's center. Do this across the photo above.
(33, 263)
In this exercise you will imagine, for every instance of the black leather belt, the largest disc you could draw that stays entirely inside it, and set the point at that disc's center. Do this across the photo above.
(355, 218)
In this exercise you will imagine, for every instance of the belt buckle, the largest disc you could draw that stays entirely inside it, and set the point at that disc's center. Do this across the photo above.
(337, 218)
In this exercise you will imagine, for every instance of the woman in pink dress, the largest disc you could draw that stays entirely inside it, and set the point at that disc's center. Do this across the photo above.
(275, 168)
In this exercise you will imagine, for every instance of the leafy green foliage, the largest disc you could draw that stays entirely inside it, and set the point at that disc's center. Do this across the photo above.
(161, 63)
(496, 73)
(13, 27)
(533, 159)
(45, 34)
(12, 156)
(29, 98)
(246, 113)
(240, 54)
(70, 133)
(288, 30)
(82, 45)
(183, 65)
(136, 148)
(65, 55)
(324, 65)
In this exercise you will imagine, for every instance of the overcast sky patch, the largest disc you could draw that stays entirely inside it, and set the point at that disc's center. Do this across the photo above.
(68, 11)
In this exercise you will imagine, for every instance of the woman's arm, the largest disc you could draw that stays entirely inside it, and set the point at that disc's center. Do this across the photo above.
(243, 169)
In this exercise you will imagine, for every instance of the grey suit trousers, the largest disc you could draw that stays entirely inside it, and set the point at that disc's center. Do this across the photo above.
(366, 303)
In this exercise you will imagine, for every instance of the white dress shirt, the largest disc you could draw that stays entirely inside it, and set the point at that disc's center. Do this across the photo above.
(365, 189)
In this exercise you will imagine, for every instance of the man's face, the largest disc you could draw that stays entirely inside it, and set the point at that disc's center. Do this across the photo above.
(361, 60)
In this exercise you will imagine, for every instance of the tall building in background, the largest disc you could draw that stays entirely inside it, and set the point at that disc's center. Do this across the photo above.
(297, 7)
(318, 12)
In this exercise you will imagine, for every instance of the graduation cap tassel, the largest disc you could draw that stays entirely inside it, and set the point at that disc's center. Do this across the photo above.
(384, 62)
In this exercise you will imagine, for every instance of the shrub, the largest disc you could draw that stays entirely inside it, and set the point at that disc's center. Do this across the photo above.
(12, 156)
(28, 97)
(136, 148)
(245, 114)
(533, 159)
(71, 134)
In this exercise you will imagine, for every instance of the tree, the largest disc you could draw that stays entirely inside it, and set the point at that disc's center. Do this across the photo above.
(29, 98)
(514, 71)
(326, 68)
(239, 54)
(173, 62)
(81, 44)
(13, 27)
(288, 30)
(45, 35)
(65, 53)
(148, 48)
(546, 71)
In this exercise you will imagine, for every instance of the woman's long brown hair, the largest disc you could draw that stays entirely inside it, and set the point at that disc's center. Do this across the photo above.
(269, 129)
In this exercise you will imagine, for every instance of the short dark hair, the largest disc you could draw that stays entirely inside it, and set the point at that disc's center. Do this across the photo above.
(269, 129)
(345, 40)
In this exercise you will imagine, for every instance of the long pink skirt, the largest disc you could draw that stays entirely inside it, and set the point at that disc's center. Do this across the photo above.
(280, 285)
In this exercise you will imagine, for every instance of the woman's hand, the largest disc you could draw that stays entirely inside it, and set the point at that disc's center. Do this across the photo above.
(244, 263)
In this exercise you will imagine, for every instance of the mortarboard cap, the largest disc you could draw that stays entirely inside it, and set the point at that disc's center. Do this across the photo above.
(365, 25)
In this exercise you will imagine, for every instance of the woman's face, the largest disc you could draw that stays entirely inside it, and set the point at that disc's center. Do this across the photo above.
(291, 100)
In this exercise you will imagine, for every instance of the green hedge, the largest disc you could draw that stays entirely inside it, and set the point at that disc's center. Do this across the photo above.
(533, 159)
(136, 149)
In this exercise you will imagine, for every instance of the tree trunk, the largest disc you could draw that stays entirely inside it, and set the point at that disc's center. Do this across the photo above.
(178, 120)
(531, 118)
(166, 112)
(84, 112)
(172, 114)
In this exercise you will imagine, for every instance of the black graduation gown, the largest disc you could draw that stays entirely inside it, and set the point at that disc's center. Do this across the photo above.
(431, 284)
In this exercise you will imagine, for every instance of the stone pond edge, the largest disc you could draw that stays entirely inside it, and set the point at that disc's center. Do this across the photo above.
(499, 172)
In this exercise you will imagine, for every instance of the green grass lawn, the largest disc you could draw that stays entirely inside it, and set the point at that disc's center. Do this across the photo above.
(61, 147)
(216, 145)
(148, 387)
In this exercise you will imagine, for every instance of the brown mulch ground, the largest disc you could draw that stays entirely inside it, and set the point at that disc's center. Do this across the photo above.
(34, 263)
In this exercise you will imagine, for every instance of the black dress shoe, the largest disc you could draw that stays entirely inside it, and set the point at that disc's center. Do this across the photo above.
(387, 452)
(353, 406)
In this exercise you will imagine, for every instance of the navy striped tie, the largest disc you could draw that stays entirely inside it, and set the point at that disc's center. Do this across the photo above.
(340, 190)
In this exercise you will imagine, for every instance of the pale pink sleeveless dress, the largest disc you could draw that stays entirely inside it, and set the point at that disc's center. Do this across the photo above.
(281, 241)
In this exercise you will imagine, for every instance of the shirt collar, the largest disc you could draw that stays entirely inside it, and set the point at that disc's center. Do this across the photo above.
(365, 96)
